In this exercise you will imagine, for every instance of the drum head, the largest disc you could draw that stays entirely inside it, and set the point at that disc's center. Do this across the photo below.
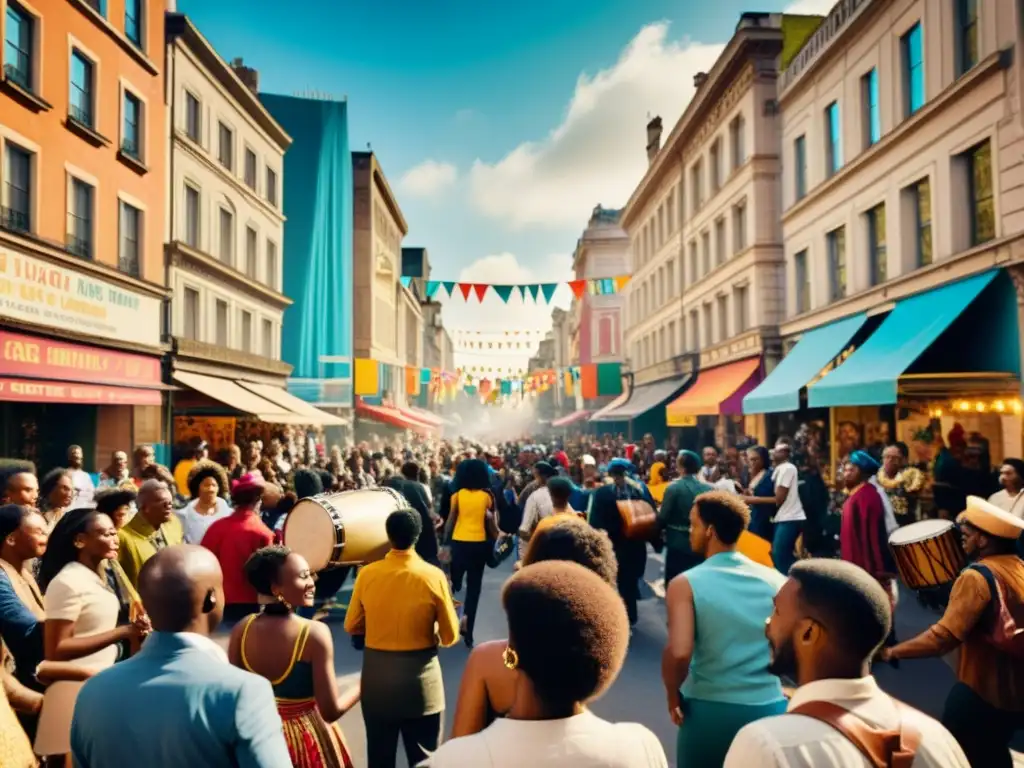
(925, 529)
(309, 531)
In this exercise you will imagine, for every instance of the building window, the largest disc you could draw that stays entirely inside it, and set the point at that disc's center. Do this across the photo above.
(193, 117)
(913, 69)
(17, 192)
(800, 167)
(222, 323)
(737, 137)
(720, 241)
(723, 318)
(227, 236)
(878, 255)
(271, 277)
(694, 330)
(271, 186)
(80, 219)
(81, 91)
(922, 197)
(18, 44)
(604, 336)
(694, 271)
(739, 300)
(246, 331)
(131, 140)
(133, 21)
(251, 251)
(837, 263)
(966, 35)
(226, 147)
(697, 182)
(250, 169)
(708, 334)
(739, 227)
(872, 110)
(801, 282)
(192, 216)
(833, 140)
(268, 339)
(130, 238)
(981, 203)
(190, 324)
(716, 166)
(670, 277)
(705, 247)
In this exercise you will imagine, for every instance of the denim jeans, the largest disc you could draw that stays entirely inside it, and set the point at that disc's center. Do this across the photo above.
(784, 544)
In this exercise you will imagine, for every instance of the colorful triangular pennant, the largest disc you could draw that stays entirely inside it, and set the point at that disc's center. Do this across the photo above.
(481, 290)
(505, 292)
(406, 281)
(449, 286)
(465, 288)
(522, 292)
(534, 290)
(432, 286)
(579, 287)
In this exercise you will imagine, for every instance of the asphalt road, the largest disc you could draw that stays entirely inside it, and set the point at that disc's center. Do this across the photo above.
(637, 694)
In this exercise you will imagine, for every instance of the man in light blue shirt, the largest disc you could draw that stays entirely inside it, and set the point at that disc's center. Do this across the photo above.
(717, 680)
(178, 703)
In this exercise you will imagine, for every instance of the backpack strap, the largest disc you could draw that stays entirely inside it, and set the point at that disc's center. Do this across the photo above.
(992, 609)
(893, 748)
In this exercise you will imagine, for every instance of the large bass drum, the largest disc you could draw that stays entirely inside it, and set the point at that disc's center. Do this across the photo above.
(345, 528)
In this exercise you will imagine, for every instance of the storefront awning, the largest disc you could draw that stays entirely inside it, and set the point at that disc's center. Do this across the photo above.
(237, 397)
(573, 418)
(286, 400)
(717, 390)
(780, 391)
(44, 391)
(599, 415)
(644, 398)
(870, 375)
(392, 417)
(423, 416)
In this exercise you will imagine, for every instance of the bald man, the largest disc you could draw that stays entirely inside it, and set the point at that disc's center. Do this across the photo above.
(153, 528)
(178, 703)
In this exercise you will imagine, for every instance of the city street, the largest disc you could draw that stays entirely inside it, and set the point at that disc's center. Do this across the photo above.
(637, 694)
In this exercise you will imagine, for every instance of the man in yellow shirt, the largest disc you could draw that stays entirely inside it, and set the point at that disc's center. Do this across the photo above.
(154, 527)
(403, 607)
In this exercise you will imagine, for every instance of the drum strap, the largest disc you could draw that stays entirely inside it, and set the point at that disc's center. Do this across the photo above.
(883, 748)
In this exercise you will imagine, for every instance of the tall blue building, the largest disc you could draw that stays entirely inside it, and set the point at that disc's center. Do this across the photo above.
(316, 337)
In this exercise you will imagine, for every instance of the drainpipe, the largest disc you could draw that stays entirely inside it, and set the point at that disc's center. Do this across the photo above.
(169, 64)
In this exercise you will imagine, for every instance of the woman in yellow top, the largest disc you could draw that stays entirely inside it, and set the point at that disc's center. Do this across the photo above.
(471, 529)
(659, 483)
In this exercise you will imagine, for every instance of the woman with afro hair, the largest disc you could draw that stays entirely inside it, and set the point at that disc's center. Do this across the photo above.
(208, 489)
(568, 635)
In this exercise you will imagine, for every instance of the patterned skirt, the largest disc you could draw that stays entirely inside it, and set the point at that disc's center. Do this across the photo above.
(312, 742)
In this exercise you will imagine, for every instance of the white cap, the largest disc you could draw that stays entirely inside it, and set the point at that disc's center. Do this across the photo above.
(588, 460)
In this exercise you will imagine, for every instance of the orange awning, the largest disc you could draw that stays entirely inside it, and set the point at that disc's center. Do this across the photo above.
(716, 391)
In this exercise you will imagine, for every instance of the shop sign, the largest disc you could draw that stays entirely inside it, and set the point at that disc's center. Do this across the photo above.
(35, 291)
(24, 391)
(39, 358)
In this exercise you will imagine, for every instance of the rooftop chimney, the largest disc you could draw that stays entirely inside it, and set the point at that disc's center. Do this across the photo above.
(250, 77)
(699, 79)
(653, 139)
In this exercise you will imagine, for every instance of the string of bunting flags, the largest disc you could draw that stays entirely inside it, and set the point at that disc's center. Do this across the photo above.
(535, 291)
(373, 379)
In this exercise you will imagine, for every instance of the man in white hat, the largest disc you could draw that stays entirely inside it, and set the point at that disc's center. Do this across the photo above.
(986, 706)
(591, 474)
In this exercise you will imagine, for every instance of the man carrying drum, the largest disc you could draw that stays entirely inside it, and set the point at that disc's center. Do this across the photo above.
(985, 612)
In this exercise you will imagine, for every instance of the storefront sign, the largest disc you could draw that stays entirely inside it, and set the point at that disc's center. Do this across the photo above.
(217, 431)
(24, 391)
(34, 291)
(35, 357)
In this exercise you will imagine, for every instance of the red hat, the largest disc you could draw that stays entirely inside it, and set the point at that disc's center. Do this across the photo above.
(253, 481)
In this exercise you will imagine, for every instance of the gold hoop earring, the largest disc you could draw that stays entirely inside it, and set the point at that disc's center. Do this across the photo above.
(510, 658)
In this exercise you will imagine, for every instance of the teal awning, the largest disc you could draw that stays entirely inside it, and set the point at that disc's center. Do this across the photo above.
(870, 376)
(780, 391)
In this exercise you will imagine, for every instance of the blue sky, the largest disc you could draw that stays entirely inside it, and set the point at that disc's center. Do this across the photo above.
(499, 126)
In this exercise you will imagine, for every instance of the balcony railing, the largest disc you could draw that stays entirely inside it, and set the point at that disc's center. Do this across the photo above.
(78, 246)
(80, 115)
(15, 220)
(129, 265)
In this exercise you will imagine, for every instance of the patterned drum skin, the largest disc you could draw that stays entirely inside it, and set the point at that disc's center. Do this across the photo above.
(928, 554)
(346, 528)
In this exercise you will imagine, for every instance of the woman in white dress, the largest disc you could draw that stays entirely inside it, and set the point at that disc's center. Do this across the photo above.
(208, 488)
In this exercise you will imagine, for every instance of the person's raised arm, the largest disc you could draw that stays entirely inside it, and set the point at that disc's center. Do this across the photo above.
(329, 701)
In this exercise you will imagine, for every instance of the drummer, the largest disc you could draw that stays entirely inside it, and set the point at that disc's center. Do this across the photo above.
(986, 706)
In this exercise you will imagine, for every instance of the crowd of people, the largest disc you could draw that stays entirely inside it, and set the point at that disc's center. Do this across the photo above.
(168, 594)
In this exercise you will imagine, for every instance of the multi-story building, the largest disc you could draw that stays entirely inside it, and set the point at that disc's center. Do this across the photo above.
(438, 350)
(316, 339)
(903, 195)
(707, 286)
(602, 253)
(82, 187)
(225, 235)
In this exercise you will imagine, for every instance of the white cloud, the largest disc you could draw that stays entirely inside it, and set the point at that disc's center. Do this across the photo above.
(496, 317)
(596, 155)
(810, 7)
(467, 115)
(428, 178)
